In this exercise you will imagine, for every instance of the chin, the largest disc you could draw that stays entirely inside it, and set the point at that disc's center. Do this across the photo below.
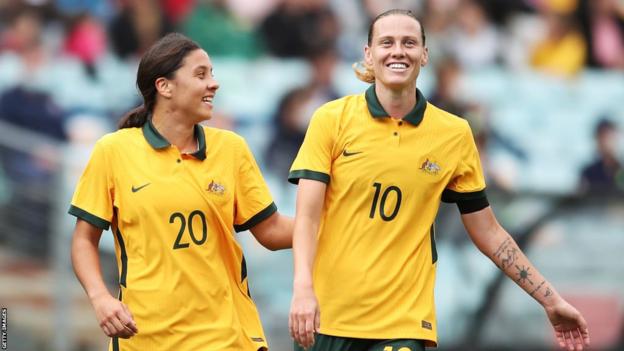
(396, 84)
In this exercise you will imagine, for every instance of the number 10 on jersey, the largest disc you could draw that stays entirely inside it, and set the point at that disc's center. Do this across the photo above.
(379, 190)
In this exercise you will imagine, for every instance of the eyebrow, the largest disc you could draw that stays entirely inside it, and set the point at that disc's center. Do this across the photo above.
(413, 37)
(204, 67)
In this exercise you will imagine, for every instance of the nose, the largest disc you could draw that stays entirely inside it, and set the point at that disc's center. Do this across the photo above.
(397, 50)
(213, 84)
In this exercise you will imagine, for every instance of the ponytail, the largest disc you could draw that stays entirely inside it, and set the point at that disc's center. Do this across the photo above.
(135, 118)
(363, 72)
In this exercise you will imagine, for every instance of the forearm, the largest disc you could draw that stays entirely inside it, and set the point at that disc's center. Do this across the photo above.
(490, 237)
(310, 202)
(275, 232)
(505, 253)
(86, 263)
(304, 251)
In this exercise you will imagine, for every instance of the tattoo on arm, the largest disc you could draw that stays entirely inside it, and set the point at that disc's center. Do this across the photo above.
(523, 275)
(538, 287)
(507, 254)
(548, 292)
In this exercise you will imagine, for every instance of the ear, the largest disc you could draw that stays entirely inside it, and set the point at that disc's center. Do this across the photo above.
(425, 57)
(163, 87)
(368, 56)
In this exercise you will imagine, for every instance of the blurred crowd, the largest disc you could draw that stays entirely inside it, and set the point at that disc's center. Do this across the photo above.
(83, 39)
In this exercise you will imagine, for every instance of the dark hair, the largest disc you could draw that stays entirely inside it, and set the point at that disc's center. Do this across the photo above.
(604, 125)
(395, 12)
(162, 59)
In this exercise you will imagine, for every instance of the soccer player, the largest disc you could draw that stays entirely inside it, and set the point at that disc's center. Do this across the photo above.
(371, 172)
(173, 191)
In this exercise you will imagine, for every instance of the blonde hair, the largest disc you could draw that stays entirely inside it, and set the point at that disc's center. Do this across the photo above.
(364, 72)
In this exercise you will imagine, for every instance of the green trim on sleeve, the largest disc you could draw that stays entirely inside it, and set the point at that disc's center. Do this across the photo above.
(88, 217)
(259, 217)
(294, 176)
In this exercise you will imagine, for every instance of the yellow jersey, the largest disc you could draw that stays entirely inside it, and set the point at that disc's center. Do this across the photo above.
(374, 269)
(181, 271)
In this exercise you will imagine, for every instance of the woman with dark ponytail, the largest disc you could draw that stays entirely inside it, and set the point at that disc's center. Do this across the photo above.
(173, 192)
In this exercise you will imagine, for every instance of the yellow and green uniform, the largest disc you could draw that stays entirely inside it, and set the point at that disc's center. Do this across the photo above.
(173, 215)
(374, 269)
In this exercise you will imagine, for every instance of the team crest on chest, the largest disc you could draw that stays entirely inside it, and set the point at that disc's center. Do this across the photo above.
(215, 188)
(430, 167)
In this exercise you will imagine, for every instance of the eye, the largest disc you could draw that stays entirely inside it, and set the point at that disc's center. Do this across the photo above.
(386, 42)
(410, 43)
(201, 74)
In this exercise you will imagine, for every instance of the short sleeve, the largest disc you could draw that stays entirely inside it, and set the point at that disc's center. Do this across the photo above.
(93, 197)
(467, 185)
(252, 199)
(314, 158)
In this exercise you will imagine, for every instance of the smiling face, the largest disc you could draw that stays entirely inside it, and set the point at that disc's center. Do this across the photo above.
(396, 51)
(192, 88)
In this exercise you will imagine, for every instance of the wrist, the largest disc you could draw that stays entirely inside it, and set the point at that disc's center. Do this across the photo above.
(551, 301)
(302, 285)
(97, 294)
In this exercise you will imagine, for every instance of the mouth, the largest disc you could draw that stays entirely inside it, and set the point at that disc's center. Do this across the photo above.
(207, 100)
(398, 66)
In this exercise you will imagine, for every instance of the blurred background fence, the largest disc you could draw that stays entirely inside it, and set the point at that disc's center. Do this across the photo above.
(540, 81)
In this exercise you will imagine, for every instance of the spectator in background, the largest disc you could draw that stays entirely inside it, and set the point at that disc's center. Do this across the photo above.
(602, 24)
(605, 173)
(177, 10)
(290, 121)
(297, 28)
(137, 26)
(323, 64)
(296, 108)
(562, 51)
(215, 27)
(474, 41)
(86, 40)
(31, 173)
(445, 94)
(23, 37)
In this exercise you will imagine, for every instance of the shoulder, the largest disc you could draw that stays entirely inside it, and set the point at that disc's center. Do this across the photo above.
(120, 138)
(217, 135)
(446, 120)
(225, 141)
(340, 108)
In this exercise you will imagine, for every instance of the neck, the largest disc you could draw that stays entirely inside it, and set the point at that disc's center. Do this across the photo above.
(178, 130)
(398, 103)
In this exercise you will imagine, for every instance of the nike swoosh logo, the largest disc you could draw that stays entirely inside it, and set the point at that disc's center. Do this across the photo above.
(135, 189)
(347, 154)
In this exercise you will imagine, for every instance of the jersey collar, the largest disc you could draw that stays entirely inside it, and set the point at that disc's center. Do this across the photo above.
(414, 117)
(157, 141)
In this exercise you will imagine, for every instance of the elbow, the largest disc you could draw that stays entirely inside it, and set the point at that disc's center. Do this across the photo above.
(272, 247)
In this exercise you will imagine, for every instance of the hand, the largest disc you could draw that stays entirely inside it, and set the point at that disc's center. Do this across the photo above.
(114, 317)
(304, 318)
(570, 326)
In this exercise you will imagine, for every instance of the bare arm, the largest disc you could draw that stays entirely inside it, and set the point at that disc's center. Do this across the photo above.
(275, 232)
(493, 241)
(304, 318)
(113, 316)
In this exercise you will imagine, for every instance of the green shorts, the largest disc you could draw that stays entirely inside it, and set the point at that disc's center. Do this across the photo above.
(337, 343)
